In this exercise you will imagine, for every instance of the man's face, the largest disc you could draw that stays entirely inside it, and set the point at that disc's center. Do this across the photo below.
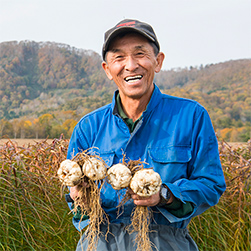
(131, 64)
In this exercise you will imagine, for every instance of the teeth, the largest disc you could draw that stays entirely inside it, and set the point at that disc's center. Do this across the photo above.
(134, 78)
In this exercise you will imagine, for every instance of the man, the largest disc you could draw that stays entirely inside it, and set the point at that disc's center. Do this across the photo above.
(173, 135)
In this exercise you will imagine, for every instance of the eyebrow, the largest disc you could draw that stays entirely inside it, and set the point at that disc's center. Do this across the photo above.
(115, 50)
(139, 47)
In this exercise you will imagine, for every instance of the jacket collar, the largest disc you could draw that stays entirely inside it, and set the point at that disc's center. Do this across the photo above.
(155, 99)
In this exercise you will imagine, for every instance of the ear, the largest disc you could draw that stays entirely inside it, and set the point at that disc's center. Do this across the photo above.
(160, 58)
(107, 70)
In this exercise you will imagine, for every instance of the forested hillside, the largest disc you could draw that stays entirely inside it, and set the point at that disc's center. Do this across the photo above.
(45, 88)
(224, 89)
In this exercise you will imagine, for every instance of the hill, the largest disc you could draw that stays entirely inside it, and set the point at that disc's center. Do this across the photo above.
(46, 87)
(224, 89)
(39, 77)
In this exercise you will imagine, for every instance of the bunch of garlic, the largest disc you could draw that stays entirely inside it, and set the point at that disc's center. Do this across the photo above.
(94, 169)
(145, 182)
(69, 173)
(119, 176)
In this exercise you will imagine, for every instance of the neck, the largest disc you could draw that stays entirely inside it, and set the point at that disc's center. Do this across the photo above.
(133, 108)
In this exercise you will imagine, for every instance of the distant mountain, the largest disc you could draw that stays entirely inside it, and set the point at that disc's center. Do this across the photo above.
(39, 77)
(224, 89)
(50, 78)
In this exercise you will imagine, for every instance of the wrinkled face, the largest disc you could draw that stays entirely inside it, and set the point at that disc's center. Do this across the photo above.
(131, 64)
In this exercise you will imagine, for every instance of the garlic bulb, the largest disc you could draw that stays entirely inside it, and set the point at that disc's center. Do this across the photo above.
(145, 182)
(119, 176)
(94, 169)
(69, 173)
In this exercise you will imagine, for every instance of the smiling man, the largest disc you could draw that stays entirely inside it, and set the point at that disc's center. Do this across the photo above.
(173, 135)
(131, 64)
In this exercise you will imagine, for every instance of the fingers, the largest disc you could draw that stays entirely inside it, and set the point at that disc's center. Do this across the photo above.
(74, 191)
(150, 201)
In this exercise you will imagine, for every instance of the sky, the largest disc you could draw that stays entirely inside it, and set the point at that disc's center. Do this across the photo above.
(190, 32)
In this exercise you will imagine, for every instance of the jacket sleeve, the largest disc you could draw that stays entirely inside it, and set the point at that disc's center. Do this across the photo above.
(205, 183)
(77, 143)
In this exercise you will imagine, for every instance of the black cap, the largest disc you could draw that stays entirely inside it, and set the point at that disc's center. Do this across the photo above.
(129, 25)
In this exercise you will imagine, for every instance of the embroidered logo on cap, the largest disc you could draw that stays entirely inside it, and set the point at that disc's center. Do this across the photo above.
(131, 24)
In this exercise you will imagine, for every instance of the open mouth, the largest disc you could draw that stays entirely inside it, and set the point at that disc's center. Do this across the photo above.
(133, 79)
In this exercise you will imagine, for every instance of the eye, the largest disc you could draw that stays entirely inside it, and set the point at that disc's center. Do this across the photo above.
(140, 54)
(119, 56)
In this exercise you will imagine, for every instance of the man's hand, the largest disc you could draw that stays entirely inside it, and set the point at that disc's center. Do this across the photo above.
(150, 201)
(75, 190)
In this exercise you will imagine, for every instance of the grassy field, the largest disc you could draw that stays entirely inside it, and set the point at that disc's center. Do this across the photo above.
(26, 142)
(34, 215)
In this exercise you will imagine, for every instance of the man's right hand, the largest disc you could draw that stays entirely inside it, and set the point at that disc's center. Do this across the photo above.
(75, 190)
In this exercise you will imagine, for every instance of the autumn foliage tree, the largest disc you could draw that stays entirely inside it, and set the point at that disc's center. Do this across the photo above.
(51, 86)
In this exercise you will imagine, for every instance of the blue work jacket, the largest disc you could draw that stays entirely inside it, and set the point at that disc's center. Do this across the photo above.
(174, 136)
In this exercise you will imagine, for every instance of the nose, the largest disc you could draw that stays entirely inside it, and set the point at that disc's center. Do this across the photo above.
(131, 63)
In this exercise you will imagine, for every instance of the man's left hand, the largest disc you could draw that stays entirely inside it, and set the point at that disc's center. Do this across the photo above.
(150, 201)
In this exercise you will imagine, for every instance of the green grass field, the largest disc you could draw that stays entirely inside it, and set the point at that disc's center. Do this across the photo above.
(34, 215)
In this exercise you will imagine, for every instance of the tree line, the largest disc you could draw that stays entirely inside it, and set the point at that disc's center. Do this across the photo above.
(45, 88)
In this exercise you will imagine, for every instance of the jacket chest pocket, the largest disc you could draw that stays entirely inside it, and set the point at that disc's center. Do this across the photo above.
(170, 162)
